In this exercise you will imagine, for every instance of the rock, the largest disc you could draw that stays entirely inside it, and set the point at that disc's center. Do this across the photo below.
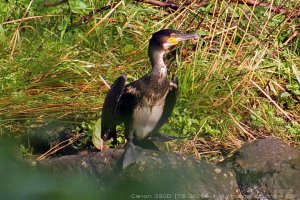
(180, 177)
(267, 169)
(95, 164)
(41, 137)
(155, 174)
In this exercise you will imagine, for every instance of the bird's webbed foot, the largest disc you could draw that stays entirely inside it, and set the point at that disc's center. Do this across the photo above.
(130, 154)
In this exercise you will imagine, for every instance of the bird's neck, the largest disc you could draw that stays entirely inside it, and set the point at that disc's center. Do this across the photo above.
(159, 68)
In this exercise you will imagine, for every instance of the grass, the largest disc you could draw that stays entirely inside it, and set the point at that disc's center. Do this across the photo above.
(240, 82)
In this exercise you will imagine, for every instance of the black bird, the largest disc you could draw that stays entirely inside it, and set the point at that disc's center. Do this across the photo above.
(145, 104)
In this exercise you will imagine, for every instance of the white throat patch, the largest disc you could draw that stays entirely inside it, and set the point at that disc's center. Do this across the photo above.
(163, 71)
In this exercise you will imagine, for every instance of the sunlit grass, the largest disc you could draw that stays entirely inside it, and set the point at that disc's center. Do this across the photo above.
(49, 73)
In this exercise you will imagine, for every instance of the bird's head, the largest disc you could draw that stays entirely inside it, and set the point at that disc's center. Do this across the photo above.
(167, 38)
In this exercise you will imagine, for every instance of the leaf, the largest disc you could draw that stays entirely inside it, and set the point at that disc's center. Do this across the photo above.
(285, 95)
(296, 72)
(2, 33)
(77, 6)
(128, 48)
(202, 33)
(96, 137)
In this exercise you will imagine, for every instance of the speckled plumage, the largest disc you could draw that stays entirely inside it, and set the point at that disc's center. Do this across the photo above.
(134, 98)
(145, 104)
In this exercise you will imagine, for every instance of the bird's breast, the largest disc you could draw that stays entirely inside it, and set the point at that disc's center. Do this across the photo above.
(145, 119)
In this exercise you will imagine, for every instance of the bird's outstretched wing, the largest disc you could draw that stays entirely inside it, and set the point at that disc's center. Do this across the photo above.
(109, 117)
(170, 103)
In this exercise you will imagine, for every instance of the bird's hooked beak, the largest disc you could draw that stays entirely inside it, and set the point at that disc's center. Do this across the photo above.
(176, 38)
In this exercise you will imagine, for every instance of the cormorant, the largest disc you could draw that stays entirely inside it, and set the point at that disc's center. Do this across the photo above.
(145, 104)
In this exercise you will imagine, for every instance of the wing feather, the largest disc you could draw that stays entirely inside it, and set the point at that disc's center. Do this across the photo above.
(169, 105)
(109, 117)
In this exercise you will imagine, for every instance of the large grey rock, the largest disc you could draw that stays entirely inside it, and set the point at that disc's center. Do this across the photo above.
(154, 173)
(265, 169)
(181, 177)
(268, 169)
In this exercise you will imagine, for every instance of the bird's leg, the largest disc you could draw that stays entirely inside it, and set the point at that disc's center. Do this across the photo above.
(131, 145)
(111, 134)
(129, 155)
(130, 137)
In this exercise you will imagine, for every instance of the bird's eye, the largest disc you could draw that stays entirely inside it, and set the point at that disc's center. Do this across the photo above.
(173, 34)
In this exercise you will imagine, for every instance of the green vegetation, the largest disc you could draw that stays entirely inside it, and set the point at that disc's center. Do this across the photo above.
(241, 81)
